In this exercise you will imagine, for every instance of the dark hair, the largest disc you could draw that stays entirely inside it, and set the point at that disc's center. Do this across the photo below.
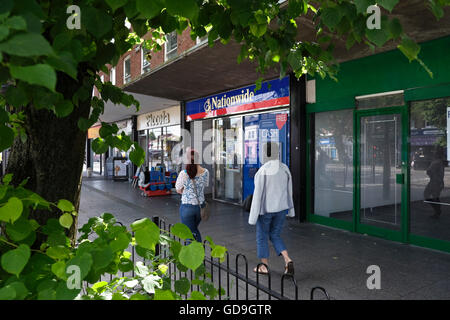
(191, 168)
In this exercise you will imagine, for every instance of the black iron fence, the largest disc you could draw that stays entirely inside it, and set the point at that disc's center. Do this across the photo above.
(232, 283)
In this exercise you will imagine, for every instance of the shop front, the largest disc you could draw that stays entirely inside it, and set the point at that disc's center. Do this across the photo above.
(379, 148)
(94, 161)
(158, 133)
(231, 127)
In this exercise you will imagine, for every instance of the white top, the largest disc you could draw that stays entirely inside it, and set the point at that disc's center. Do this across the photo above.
(273, 191)
(188, 196)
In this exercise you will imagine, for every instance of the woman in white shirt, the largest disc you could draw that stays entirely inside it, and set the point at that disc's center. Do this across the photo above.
(272, 201)
(190, 199)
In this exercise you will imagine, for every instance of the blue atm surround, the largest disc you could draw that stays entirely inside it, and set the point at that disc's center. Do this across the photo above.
(258, 129)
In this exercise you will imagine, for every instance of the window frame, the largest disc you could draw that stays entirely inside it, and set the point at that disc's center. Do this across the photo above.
(143, 59)
(125, 78)
(166, 52)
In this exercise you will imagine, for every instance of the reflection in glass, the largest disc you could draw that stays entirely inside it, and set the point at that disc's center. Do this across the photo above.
(228, 159)
(430, 176)
(380, 165)
(333, 164)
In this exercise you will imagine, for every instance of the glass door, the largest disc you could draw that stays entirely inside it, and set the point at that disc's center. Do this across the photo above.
(228, 159)
(381, 173)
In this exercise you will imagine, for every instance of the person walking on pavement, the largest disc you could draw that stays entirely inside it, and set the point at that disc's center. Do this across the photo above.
(191, 185)
(435, 186)
(272, 201)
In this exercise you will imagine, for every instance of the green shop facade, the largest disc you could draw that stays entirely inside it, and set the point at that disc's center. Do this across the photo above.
(378, 148)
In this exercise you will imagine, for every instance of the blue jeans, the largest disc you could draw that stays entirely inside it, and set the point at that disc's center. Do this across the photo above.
(269, 226)
(190, 216)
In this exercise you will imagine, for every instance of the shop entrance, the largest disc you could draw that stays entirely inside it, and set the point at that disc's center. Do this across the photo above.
(381, 171)
(260, 128)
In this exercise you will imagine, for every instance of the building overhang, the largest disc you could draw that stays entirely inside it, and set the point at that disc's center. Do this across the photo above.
(202, 71)
(116, 112)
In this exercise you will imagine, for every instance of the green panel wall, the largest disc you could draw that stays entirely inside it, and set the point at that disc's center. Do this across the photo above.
(383, 72)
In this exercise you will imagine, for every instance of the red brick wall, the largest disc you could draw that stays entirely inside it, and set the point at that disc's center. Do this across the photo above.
(184, 43)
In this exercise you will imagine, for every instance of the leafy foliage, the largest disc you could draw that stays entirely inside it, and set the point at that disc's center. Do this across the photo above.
(37, 49)
(103, 248)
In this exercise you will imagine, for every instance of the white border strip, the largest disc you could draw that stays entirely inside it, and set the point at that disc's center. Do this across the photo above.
(379, 94)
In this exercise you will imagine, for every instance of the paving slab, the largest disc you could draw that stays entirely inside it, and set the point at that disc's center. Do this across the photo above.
(334, 259)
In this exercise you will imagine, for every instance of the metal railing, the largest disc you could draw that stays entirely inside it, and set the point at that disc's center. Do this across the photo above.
(231, 283)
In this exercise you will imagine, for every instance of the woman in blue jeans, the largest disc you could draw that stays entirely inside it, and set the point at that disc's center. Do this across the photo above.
(272, 202)
(190, 199)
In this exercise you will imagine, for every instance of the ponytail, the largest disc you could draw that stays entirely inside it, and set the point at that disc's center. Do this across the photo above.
(191, 168)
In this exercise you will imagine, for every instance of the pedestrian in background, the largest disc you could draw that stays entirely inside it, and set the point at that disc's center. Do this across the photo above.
(191, 185)
(272, 201)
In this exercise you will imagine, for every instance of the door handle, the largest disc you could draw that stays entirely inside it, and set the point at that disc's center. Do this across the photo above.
(400, 178)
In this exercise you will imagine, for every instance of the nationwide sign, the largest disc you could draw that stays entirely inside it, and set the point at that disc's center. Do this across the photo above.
(274, 93)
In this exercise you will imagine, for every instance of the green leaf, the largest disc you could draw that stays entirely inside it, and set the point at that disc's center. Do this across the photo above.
(388, 4)
(209, 290)
(378, 36)
(185, 8)
(102, 257)
(137, 156)
(3, 190)
(63, 108)
(409, 48)
(139, 296)
(58, 252)
(65, 205)
(181, 231)
(19, 230)
(84, 261)
(5, 7)
(7, 179)
(147, 236)
(258, 30)
(16, 23)
(16, 96)
(4, 32)
(12, 210)
(116, 4)
(59, 269)
(66, 220)
(64, 62)
(149, 9)
(7, 138)
(27, 45)
(196, 295)
(163, 268)
(219, 252)
(39, 74)
(64, 293)
(362, 5)
(97, 22)
(182, 286)
(163, 295)
(15, 260)
(125, 265)
(20, 289)
(331, 17)
(192, 256)
(395, 28)
(120, 243)
(7, 293)
(99, 146)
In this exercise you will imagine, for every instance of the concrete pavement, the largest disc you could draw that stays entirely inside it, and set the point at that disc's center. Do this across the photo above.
(334, 259)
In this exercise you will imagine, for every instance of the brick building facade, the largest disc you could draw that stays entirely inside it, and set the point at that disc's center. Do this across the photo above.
(135, 55)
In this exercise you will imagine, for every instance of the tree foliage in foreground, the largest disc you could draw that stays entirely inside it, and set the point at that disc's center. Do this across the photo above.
(48, 71)
(36, 46)
(62, 271)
